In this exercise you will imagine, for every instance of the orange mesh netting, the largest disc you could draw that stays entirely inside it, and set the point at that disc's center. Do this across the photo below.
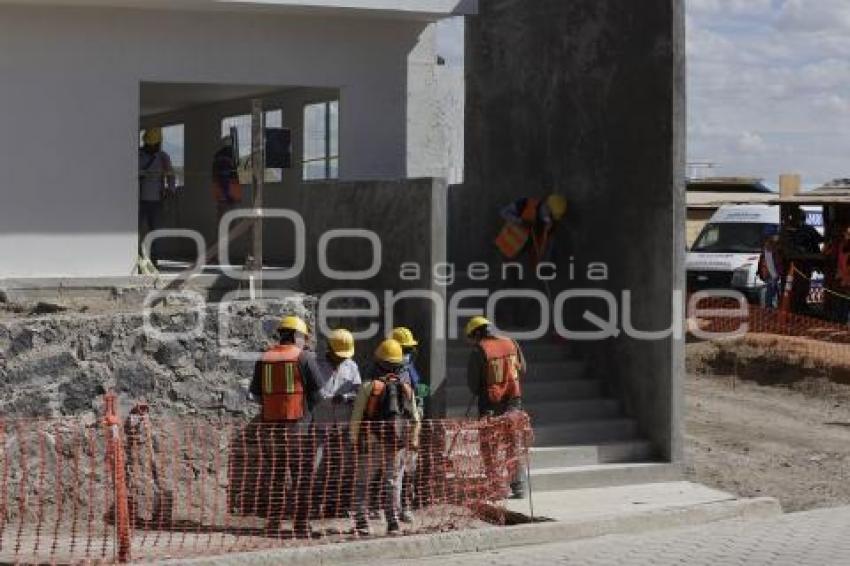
(76, 491)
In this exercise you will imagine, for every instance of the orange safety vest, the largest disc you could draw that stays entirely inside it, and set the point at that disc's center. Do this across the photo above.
(235, 190)
(513, 237)
(503, 369)
(282, 385)
(379, 386)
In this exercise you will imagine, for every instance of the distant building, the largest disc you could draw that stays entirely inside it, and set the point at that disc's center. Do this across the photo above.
(706, 195)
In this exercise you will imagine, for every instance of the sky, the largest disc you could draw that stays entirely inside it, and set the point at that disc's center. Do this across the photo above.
(768, 86)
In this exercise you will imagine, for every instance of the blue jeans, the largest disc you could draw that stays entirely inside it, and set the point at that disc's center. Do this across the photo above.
(150, 219)
(770, 294)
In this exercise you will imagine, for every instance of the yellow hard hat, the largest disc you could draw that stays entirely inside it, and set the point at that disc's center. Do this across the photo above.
(341, 343)
(390, 352)
(153, 136)
(294, 323)
(558, 205)
(476, 323)
(404, 336)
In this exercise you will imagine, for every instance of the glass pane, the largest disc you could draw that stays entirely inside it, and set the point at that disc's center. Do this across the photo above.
(173, 144)
(314, 170)
(334, 163)
(274, 119)
(274, 175)
(314, 131)
(242, 123)
(333, 108)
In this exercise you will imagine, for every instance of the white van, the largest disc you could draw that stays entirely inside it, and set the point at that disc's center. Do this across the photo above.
(726, 253)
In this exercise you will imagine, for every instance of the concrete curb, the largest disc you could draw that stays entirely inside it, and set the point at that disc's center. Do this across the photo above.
(496, 538)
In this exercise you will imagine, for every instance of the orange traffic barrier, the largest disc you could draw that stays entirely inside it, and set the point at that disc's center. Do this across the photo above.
(152, 488)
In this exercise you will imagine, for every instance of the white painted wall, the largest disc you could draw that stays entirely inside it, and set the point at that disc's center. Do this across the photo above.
(69, 112)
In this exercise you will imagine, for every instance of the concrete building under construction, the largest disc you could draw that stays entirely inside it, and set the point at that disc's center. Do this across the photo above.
(582, 97)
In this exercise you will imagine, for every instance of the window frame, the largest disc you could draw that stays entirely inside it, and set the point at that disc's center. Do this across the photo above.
(328, 156)
(272, 174)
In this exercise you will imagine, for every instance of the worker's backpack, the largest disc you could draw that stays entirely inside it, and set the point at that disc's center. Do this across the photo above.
(282, 385)
(503, 369)
(390, 401)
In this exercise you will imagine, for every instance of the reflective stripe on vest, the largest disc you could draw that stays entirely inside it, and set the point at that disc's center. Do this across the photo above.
(513, 237)
(283, 387)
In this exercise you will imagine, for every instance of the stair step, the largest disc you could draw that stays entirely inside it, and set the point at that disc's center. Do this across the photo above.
(560, 411)
(546, 371)
(539, 351)
(585, 432)
(533, 392)
(591, 454)
(604, 475)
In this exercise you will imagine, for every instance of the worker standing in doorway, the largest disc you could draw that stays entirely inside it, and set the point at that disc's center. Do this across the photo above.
(157, 182)
(496, 367)
(384, 426)
(226, 187)
(287, 383)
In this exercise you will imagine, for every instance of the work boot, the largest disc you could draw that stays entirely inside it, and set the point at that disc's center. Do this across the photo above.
(517, 490)
(361, 527)
(393, 528)
(406, 516)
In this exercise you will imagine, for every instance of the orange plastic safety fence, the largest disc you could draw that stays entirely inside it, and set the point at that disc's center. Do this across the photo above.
(78, 492)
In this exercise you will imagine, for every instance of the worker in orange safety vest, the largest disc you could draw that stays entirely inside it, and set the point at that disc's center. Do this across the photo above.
(530, 222)
(287, 382)
(495, 370)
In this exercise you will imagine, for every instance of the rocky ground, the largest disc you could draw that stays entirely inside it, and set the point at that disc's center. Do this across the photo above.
(758, 427)
(60, 363)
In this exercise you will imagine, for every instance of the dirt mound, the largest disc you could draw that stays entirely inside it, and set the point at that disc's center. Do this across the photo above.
(770, 359)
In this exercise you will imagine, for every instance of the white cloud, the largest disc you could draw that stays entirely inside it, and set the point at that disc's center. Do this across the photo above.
(769, 86)
(751, 142)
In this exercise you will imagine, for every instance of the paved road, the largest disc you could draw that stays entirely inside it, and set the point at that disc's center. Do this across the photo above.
(817, 538)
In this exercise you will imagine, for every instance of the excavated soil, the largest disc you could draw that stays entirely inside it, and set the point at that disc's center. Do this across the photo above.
(770, 416)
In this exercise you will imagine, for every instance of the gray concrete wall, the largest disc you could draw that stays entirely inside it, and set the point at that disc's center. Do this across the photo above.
(409, 219)
(587, 97)
(70, 111)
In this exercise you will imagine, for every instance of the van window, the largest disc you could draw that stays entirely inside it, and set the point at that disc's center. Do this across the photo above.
(732, 238)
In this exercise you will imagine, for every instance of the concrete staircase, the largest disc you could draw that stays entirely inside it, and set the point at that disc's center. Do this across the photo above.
(582, 437)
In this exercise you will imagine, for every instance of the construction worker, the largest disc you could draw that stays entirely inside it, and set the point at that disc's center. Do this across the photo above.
(800, 246)
(341, 378)
(771, 270)
(495, 370)
(287, 383)
(156, 182)
(530, 224)
(838, 252)
(410, 461)
(226, 187)
(384, 425)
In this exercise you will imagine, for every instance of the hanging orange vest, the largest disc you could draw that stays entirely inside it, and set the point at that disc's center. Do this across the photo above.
(514, 237)
(282, 385)
(503, 369)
